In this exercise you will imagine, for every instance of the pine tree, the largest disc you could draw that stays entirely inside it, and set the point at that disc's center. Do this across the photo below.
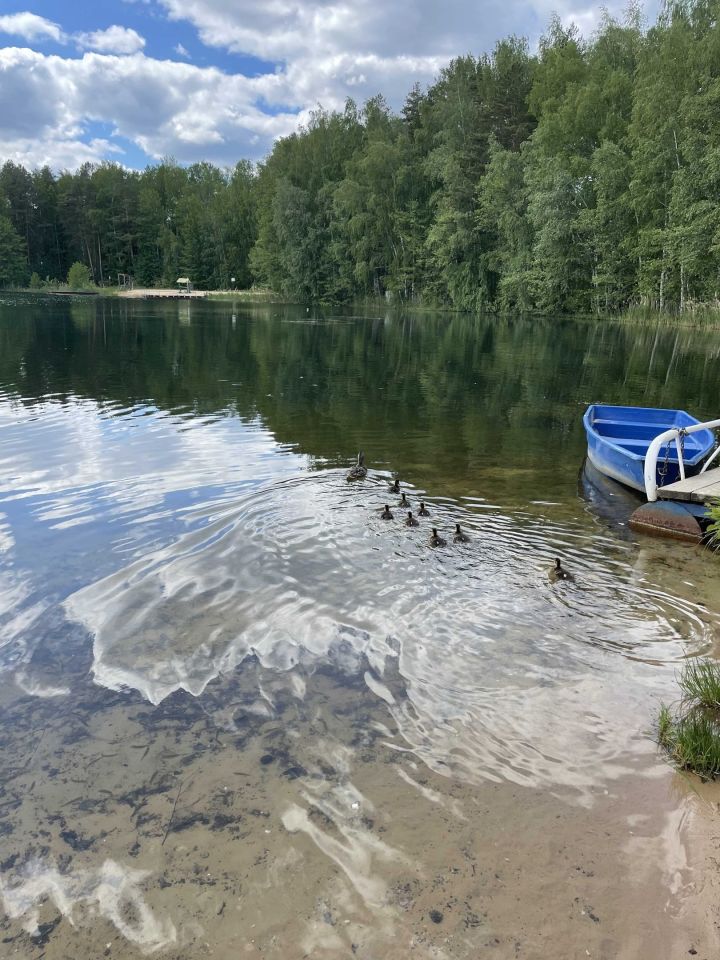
(13, 263)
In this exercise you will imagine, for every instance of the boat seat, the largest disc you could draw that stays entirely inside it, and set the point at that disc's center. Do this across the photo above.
(655, 424)
(629, 444)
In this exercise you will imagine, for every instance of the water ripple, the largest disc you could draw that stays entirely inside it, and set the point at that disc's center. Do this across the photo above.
(488, 670)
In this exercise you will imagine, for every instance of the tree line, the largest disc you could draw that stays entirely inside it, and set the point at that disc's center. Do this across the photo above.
(585, 176)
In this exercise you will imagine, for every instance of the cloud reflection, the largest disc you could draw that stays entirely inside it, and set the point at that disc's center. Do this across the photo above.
(111, 890)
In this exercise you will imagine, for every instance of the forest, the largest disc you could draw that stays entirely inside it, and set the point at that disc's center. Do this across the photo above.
(583, 177)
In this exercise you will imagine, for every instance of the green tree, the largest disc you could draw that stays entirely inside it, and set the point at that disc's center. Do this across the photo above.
(475, 101)
(79, 277)
(296, 252)
(238, 217)
(503, 198)
(666, 75)
(13, 265)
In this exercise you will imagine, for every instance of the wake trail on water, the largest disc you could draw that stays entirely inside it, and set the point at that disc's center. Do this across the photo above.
(488, 671)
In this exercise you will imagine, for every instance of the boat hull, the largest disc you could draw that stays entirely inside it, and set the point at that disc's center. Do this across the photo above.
(617, 467)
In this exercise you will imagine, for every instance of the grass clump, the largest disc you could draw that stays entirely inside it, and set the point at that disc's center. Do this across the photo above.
(700, 683)
(691, 735)
(666, 726)
(714, 528)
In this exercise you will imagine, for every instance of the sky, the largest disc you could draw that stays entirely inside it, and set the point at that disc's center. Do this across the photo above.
(134, 81)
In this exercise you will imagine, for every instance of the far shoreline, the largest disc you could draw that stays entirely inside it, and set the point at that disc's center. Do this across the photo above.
(693, 316)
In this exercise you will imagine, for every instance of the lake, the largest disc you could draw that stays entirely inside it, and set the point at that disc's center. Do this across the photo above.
(242, 715)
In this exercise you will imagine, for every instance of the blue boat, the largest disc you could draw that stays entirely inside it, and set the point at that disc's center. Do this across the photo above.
(618, 439)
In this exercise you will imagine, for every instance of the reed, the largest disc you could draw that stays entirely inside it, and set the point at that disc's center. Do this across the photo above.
(695, 315)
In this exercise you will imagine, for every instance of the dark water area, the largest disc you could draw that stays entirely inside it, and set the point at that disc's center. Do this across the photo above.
(451, 394)
(225, 680)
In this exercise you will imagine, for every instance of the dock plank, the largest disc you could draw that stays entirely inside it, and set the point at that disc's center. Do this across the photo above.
(702, 488)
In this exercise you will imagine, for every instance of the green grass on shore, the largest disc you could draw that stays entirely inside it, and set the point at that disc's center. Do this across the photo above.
(696, 315)
(691, 734)
(714, 528)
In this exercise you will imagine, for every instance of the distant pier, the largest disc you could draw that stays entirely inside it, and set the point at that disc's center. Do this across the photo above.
(151, 293)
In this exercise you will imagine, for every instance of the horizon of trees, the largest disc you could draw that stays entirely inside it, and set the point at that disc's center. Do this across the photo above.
(585, 177)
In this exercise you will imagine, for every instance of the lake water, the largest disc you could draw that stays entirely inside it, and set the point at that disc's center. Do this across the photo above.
(242, 715)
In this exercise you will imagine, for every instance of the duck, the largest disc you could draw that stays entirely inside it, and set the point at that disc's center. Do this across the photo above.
(558, 572)
(411, 521)
(404, 502)
(423, 511)
(459, 536)
(386, 513)
(395, 486)
(436, 540)
(358, 471)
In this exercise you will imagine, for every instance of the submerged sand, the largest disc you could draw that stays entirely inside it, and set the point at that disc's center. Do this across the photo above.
(311, 833)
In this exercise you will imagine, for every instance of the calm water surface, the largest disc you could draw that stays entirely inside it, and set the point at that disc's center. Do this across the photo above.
(243, 714)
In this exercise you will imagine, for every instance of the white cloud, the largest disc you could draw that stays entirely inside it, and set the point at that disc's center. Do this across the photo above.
(331, 49)
(288, 30)
(30, 26)
(163, 106)
(115, 39)
(319, 51)
(59, 152)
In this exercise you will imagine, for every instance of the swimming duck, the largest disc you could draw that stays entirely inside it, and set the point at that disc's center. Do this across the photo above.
(423, 511)
(411, 521)
(459, 536)
(404, 503)
(558, 572)
(436, 540)
(395, 486)
(358, 471)
(386, 514)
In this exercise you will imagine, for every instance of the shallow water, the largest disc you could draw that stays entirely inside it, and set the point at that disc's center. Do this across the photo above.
(243, 714)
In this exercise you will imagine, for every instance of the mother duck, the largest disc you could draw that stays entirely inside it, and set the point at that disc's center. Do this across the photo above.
(358, 471)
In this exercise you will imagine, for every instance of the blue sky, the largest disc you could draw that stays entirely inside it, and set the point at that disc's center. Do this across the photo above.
(163, 37)
(136, 80)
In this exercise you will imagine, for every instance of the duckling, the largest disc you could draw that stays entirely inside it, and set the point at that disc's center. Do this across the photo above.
(558, 572)
(411, 521)
(459, 536)
(358, 471)
(386, 514)
(423, 511)
(395, 486)
(436, 540)
(404, 502)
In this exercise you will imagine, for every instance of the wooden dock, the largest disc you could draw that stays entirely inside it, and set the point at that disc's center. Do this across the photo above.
(702, 488)
(149, 293)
